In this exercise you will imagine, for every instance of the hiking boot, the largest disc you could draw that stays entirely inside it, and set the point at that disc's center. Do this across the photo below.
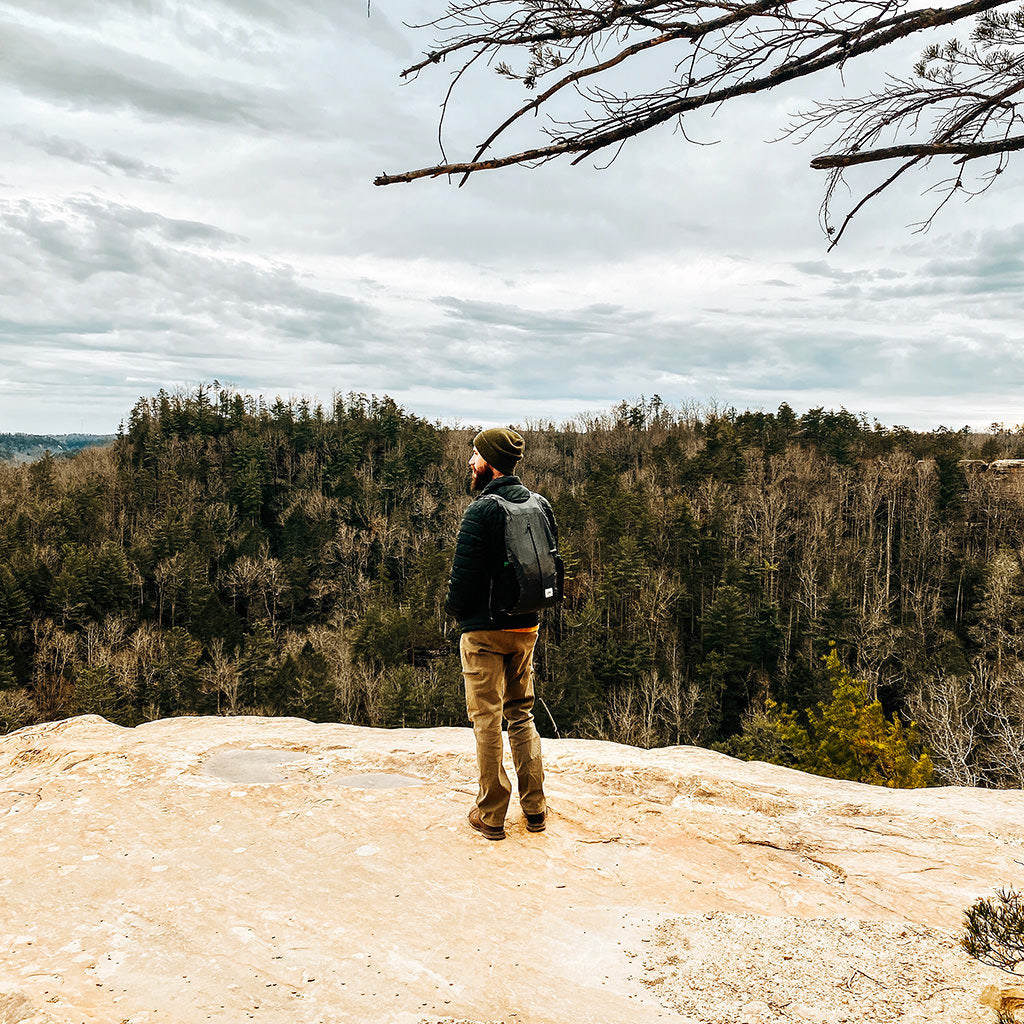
(537, 822)
(487, 831)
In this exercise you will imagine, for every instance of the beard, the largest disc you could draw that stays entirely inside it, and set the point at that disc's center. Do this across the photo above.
(478, 481)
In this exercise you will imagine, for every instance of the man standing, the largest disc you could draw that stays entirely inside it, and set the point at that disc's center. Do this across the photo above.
(496, 646)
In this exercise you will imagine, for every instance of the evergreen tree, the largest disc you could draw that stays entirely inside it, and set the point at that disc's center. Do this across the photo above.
(8, 676)
(852, 739)
(848, 737)
(94, 692)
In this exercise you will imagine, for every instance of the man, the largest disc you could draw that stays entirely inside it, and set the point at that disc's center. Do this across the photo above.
(496, 647)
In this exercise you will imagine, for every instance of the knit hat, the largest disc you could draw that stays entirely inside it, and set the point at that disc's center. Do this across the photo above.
(501, 448)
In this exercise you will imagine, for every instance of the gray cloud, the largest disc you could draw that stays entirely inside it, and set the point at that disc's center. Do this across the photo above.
(77, 72)
(242, 16)
(600, 318)
(106, 161)
(613, 351)
(83, 237)
(129, 274)
(993, 262)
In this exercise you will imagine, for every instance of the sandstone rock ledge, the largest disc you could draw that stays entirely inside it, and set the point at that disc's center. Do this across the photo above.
(237, 869)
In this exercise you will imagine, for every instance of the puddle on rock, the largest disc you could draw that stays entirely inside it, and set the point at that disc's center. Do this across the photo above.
(375, 780)
(251, 766)
(260, 766)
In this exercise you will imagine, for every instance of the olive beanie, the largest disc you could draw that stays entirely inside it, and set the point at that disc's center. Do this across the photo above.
(500, 447)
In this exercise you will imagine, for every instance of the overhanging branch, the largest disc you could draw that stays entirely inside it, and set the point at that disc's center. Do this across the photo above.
(964, 150)
(837, 48)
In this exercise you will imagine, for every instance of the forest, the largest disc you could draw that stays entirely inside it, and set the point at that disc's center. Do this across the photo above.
(727, 575)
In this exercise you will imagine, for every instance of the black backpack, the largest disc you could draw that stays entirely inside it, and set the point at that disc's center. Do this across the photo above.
(531, 558)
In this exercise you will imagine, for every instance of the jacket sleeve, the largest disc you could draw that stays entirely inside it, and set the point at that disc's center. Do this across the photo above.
(469, 583)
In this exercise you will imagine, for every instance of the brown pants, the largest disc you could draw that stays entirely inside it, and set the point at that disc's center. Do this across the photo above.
(498, 668)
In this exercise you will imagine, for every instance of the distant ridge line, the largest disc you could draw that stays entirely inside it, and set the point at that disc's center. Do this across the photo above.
(20, 447)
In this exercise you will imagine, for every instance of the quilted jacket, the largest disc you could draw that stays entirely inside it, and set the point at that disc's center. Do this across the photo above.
(478, 568)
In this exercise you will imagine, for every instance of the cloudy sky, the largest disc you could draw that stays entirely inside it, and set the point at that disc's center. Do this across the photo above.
(186, 195)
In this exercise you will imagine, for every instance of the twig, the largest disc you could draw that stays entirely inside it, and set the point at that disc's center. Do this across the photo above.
(849, 981)
(553, 725)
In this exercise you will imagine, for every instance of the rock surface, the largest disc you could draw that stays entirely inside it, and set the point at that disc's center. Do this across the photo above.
(236, 869)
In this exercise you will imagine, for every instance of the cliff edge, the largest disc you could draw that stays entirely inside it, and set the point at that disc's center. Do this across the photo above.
(234, 869)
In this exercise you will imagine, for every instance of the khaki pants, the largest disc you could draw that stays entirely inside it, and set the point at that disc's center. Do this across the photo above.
(498, 668)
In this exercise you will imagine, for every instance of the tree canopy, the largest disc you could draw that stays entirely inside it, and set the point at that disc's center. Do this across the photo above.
(226, 554)
(957, 107)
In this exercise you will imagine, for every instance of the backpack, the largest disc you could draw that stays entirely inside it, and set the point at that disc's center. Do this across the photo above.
(531, 558)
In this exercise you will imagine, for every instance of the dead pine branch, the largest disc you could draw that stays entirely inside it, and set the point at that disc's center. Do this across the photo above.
(959, 104)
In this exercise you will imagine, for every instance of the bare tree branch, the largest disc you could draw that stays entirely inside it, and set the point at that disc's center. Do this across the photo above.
(960, 104)
(968, 98)
(968, 151)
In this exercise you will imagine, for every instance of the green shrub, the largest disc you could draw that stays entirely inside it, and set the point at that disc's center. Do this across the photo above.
(848, 738)
(994, 930)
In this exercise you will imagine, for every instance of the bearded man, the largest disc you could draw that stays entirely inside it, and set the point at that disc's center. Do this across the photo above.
(497, 647)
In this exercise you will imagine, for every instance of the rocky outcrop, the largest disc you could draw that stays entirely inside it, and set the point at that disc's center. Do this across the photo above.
(237, 869)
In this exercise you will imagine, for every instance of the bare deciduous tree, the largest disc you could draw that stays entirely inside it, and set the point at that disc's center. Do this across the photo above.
(960, 102)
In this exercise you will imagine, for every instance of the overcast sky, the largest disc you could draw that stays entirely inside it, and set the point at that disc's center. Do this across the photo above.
(186, 195)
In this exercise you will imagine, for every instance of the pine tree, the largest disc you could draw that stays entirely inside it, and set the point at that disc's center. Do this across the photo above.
(851, 738)
(8, 677)
(94, 691)
(848, 738)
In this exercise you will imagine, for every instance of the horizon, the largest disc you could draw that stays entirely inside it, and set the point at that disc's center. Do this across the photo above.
(700, 409)
(188, 195)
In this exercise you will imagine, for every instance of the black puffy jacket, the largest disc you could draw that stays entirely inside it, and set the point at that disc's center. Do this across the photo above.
(478, 567)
